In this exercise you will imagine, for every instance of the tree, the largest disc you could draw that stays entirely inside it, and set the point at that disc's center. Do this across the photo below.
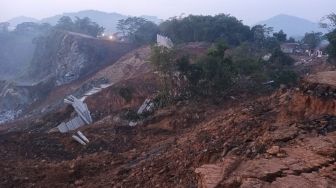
(331, 36)
(329, 21)
(206, 28)
(212, 75)
(291, 40)
(27, 27)
(85, 25)
(65, 23)
(332, 46)
(137, 30)
(80, 25)
(146, 33)
(280, 36)
(162, 59)
(260, 33)
(312, 39)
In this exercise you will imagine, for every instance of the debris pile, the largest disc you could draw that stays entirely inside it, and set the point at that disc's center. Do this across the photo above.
(83, 115)
(80, 138)
(146, 107)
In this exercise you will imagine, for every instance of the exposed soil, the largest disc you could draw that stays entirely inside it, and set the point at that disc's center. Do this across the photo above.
(186, 145)
(283, 139)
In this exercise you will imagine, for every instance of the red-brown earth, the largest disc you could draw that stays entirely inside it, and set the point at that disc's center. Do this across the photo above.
(283, 139)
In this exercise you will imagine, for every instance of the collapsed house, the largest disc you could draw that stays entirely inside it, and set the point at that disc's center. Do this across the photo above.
(83, 115)
(290, 48)
(304, 49)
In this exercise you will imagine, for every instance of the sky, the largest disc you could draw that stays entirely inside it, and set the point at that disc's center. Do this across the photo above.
(250, 11)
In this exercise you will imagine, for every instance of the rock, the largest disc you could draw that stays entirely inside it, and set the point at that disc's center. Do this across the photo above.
(274, 150)
(282, 134)
(252, 182)
(281, 155)
(210, 175)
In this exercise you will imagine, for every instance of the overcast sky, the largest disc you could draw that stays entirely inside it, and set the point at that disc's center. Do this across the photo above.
(251, 11)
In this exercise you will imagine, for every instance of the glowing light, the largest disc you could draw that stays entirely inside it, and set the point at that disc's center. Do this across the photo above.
(111, 37)
(103, 34)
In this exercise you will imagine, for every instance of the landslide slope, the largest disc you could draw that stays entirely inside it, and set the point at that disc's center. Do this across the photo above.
(252, 141)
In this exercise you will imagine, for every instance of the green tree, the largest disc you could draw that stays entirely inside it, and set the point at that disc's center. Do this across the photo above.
(206, 28)
(218, 71)
(291, 40)
(65, 23)
(329, 22)
(27, 27)
(138, 30)
(80, 25)
(332, 46)
(213, 74)
(280, 36)
(312, 39)
(260, 33)
(331, 36)
(163, 60)
(86, 26)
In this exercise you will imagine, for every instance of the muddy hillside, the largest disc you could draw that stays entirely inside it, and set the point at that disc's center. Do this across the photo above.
(285, 138)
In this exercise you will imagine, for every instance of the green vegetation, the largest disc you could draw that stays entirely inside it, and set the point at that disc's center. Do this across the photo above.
(332, 47)
(221, 70)
(206, 28)
(280, 36)
(312, 39)
(162, 59)
(291, 40)
(331, 36)
(260, 33)
(212, 74)
(138, 30)
(80, 25)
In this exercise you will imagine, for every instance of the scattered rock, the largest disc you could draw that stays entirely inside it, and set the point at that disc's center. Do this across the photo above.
(274, 150)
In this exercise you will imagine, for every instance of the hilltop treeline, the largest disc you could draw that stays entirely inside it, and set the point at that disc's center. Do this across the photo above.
(196, 29)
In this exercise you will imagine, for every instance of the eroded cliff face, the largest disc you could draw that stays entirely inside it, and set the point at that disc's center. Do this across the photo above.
(60, 58)
(316, 97)
(15, 97)
(66, 56)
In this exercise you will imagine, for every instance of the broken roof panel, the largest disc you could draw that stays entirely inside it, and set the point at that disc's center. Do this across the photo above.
(71, 125)
(83, 117)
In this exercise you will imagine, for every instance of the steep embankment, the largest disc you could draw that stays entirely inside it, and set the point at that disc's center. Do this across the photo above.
(252, 141)
(131, 72)
(242, 143)
(131, 65)
(286, 139)
(66, 56)
(60, 58)
(315, 97)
